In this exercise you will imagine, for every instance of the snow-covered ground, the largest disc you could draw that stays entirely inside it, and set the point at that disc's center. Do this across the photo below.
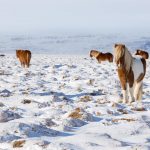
(68, 103)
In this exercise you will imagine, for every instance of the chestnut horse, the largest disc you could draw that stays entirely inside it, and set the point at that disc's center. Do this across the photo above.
(101, 56)
(24, 57)
(142, 53)
(131, 71)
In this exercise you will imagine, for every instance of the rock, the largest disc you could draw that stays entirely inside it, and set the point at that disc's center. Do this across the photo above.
(50, 123)
(5, 93)
(71, 122)
(32, 130)
(2, 55)
(56, 99)
(1, 104)
(26, 101)
(6, 115)
(43, 105)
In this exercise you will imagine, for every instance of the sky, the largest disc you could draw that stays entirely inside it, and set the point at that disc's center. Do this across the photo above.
(74, 15)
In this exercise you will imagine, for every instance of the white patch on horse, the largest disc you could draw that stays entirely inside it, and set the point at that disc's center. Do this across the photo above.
(137, 68)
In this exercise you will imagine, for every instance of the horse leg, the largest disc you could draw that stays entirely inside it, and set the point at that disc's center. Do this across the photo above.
(138, 91)
(123, 82)
(131, 97)
(99, 61)
(23, 64)
(28, 62)
(124, 91)
(125, 96)
(110, 59)
(130, 79)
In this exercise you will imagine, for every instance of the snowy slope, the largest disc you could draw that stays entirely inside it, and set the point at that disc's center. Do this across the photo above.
(68, 103)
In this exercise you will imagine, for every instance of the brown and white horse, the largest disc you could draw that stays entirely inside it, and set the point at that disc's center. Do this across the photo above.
(101, 56)
(142, 53)
(131, 72)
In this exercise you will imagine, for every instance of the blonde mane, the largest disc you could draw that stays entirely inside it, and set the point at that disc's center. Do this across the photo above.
(122, 51)
(94, 53)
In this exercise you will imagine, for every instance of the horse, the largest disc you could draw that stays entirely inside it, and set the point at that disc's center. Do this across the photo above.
(142, 53)
(131, 72)
(24, 57)
(94, 53)
(101, 56)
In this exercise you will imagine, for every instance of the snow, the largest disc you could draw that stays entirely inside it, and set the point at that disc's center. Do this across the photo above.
(69, 102)
(71, 43)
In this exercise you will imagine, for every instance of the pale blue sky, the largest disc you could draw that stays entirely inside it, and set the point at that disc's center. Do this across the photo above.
(74, 15)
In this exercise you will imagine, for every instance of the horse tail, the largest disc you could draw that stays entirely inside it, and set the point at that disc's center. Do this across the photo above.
(28, 58)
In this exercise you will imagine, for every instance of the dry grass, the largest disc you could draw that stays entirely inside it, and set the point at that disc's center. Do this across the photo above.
(85, 98)
(90, 82)
(17, 144)
(102, 101)
(98, 113)
(123, 119)
(139, 109)
(76, 114)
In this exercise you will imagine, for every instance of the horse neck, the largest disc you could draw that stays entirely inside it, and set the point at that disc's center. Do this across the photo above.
(128, 60)
(98, 54)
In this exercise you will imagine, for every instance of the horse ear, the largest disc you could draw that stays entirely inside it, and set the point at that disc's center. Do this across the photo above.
(138, 51)
(115, 45)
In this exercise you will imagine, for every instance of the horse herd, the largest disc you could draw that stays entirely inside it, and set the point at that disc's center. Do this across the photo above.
(131, 70)
(109, 57)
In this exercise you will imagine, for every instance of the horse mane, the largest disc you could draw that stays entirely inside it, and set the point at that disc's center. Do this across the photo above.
(122, 51)
(94, 53)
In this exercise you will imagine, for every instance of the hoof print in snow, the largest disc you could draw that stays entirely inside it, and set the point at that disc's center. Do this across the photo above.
(19, 143)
